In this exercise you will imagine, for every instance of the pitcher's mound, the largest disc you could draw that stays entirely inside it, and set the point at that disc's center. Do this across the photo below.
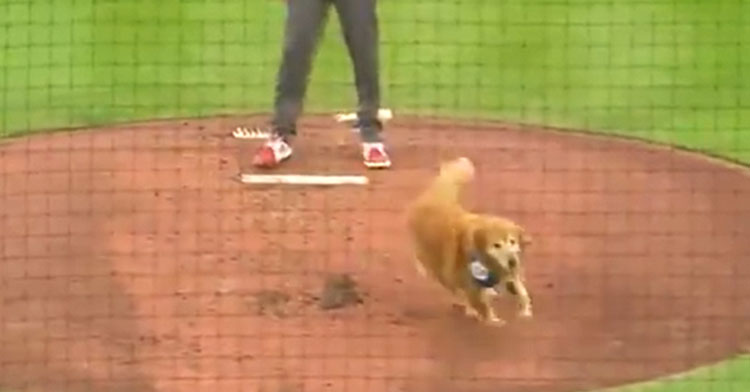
(132, 260)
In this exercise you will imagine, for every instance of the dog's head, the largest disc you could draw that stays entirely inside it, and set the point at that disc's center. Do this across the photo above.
(501, 243)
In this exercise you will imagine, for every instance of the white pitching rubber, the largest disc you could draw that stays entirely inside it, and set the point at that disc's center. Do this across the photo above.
(383, 115)
(298, 179)
(246, 133)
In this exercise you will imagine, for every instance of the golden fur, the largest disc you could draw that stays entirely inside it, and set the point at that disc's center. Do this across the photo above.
(445, 235)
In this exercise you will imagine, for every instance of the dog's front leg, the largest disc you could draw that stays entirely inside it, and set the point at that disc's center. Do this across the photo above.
(479, 306)
(518, 289)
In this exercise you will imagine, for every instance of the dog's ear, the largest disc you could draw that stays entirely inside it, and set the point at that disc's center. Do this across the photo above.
(525, 238)
(479, 236)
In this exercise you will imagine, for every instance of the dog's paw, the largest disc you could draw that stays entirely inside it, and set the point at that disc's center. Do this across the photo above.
(526, 313)
(495, 321)
(471, 312)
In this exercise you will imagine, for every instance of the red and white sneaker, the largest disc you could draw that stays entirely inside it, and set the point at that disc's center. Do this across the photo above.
(274, 151)
(375, 156)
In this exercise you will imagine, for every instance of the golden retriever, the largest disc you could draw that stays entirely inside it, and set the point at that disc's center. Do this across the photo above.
(468, 254)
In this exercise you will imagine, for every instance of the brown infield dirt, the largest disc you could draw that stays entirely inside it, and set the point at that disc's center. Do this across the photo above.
(132, 260)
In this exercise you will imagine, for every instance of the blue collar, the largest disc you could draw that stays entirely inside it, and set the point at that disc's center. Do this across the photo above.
(481, 274)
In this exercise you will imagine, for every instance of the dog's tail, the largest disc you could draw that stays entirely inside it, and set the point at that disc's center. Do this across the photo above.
(453, 176)
(444, 191)
(460, 169)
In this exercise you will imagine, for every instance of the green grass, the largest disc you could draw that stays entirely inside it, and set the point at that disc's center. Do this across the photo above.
(672, 71)
(669, 71)
(728, 376)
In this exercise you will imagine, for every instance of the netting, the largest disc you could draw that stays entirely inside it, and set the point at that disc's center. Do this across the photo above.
(132, 257)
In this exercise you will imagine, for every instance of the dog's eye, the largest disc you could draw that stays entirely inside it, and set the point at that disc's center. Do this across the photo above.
(497, 245)
(512, 241)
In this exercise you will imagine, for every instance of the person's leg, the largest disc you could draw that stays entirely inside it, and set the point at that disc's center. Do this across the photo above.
(359, 24)
(305, 21)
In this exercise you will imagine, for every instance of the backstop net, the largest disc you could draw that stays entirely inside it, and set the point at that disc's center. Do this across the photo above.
(142, 249)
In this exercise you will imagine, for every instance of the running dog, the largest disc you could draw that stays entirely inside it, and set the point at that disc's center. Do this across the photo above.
(469, 254)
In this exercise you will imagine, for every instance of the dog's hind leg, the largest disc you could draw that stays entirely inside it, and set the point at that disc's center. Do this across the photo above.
(491, 292)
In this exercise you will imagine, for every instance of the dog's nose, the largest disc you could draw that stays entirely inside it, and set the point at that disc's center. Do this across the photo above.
(513, 262)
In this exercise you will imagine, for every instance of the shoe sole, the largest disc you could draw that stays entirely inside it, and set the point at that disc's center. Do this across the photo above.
(383, 165)
(271, 165)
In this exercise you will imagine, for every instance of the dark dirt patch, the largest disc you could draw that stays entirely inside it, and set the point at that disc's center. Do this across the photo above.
(639, 269)
(287, 387)
(271, 302)
(339, 291)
